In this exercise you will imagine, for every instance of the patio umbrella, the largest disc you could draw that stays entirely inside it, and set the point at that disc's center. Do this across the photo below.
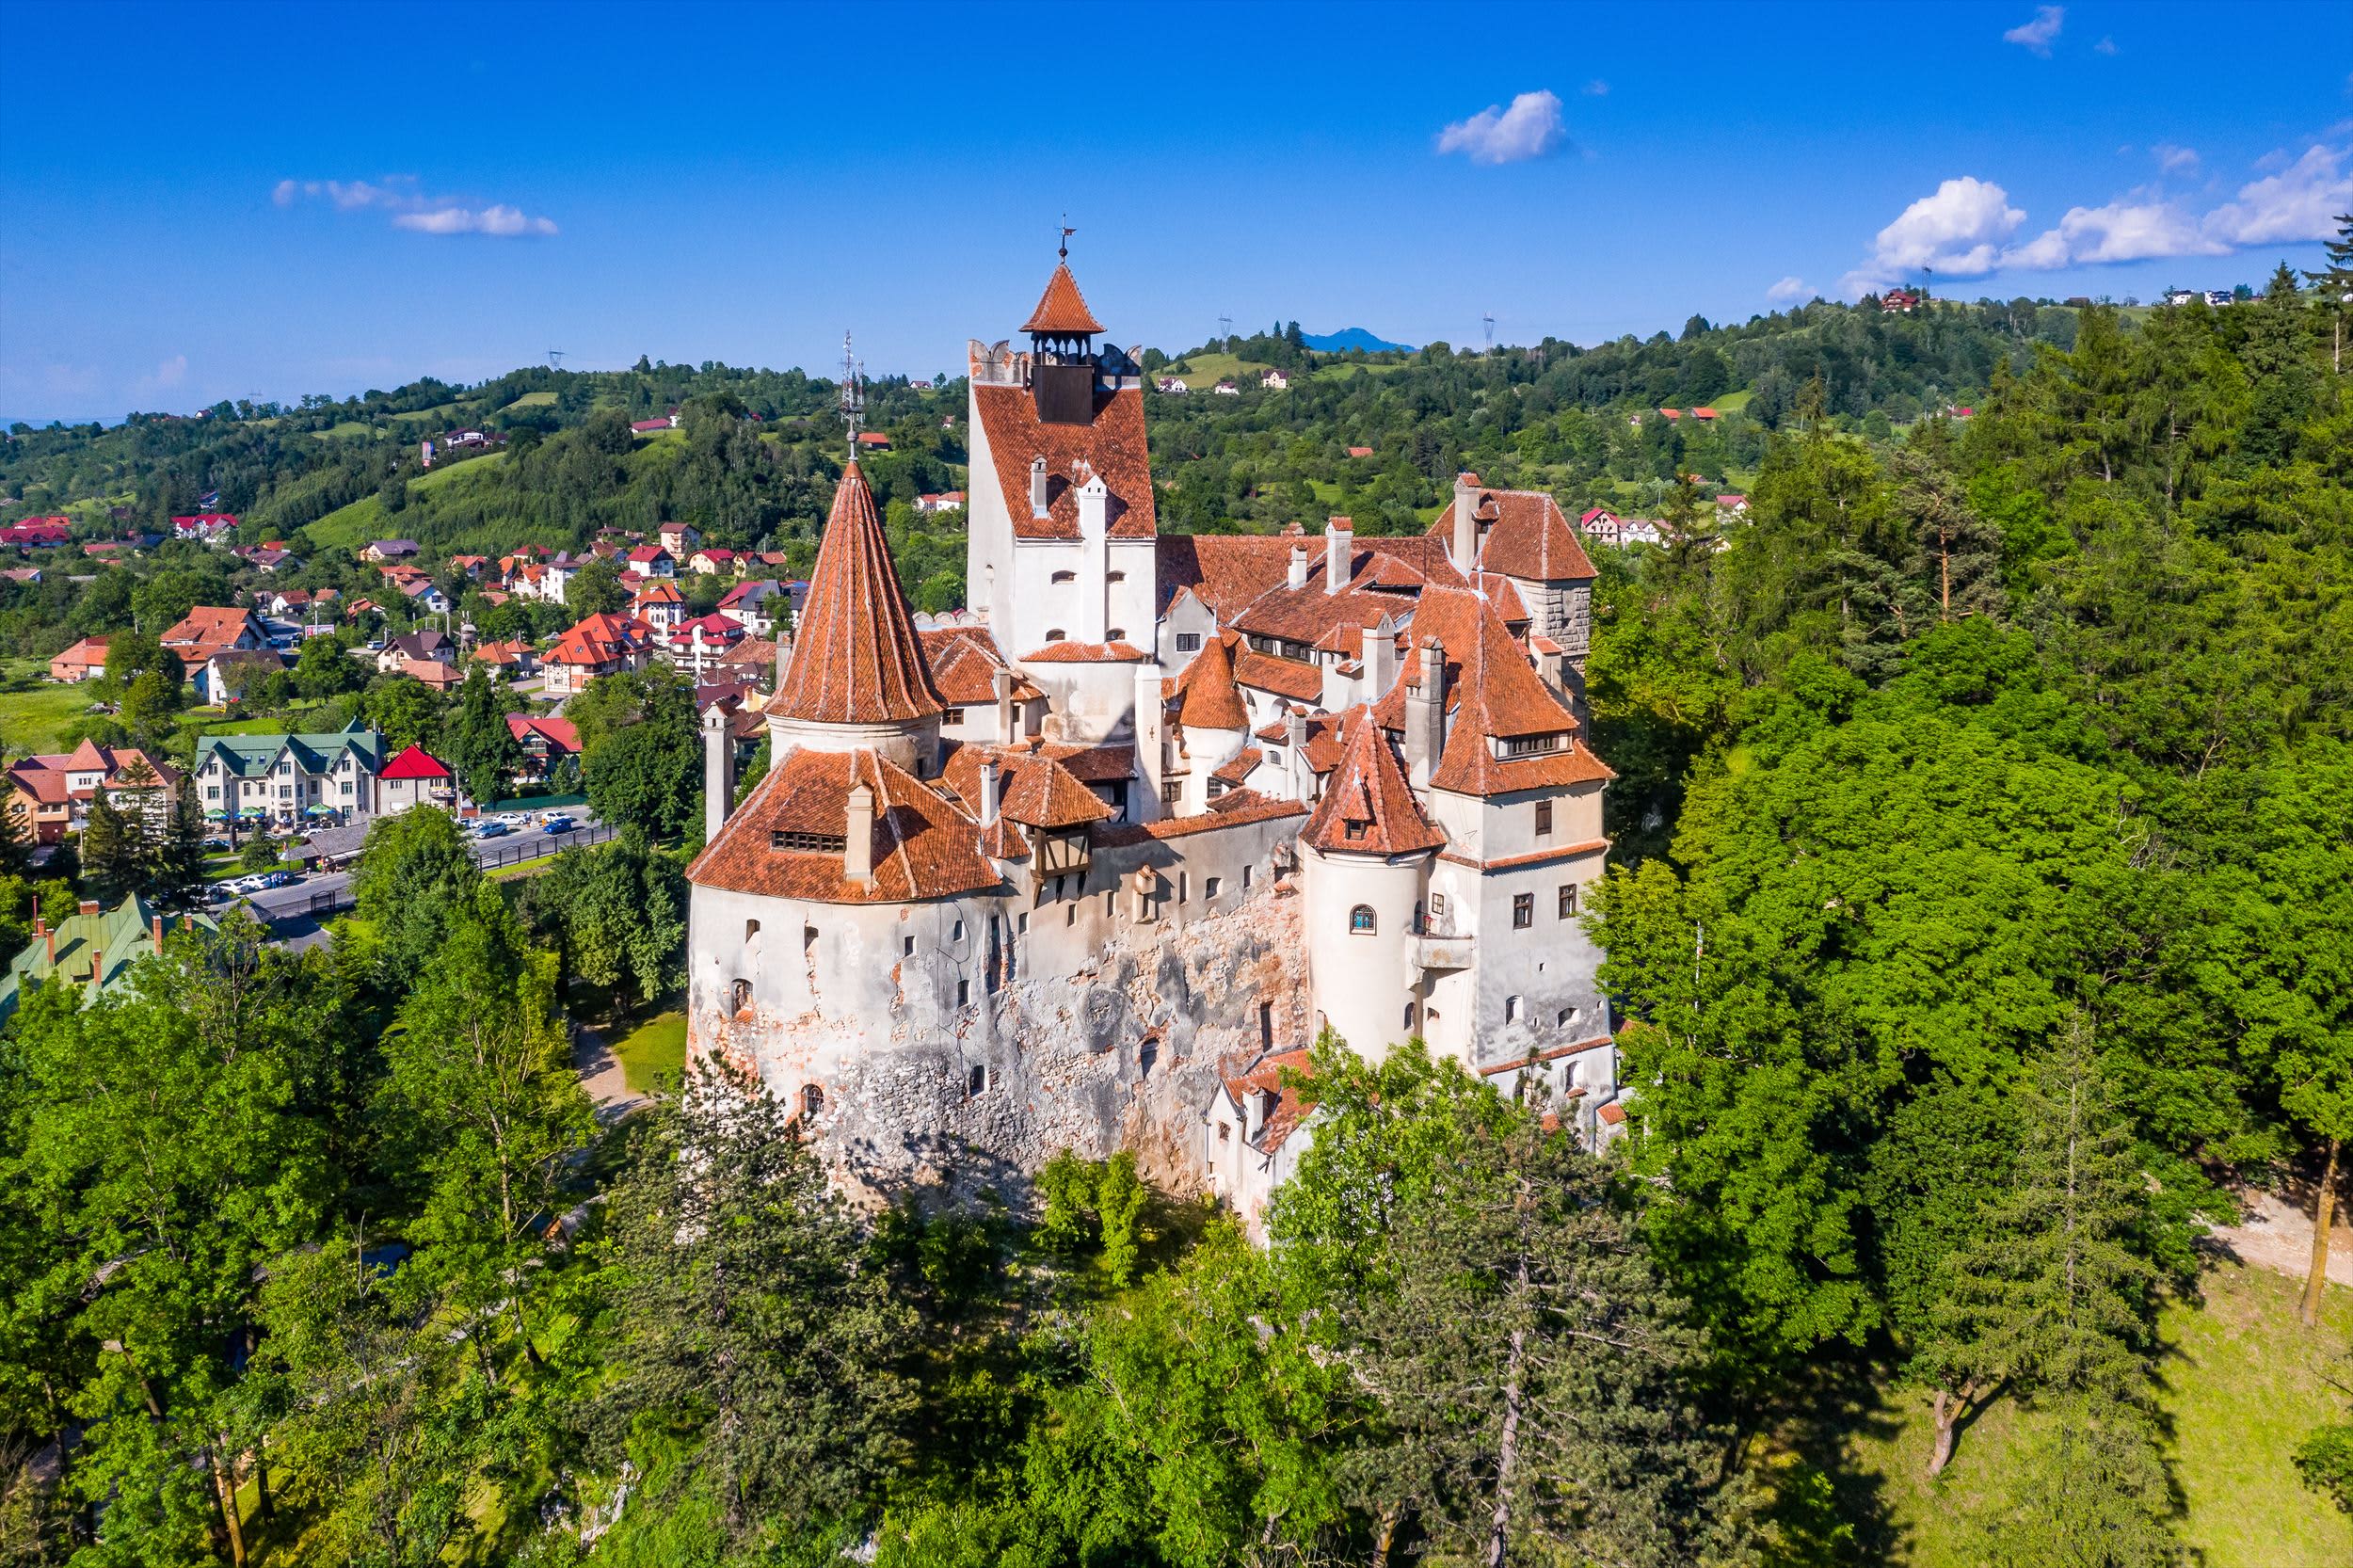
(214, 814)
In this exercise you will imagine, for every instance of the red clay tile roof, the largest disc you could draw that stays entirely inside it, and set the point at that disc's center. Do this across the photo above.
(1224, 572)
(1265, 1075)
(1039, 783)
(1062, 309)
(601, 639)
(1233, 808)
(1368, 808)
(415, 762)
(1208, 697)
(855, 657)
(1237, 771)
(924, 847)
(964, 662)
(1527, 537)
(1112, 447)
(559, 734)
(1086, 653)
(1325, 739)
(207, 624)
(1283, 676)
(43, 777)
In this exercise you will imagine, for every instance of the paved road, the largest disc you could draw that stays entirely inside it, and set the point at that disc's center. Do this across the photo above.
(287, 910)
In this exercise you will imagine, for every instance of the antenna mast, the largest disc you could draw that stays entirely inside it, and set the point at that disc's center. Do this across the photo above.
(1488, 322)
(852, 394)
(1224, 328)
(555, 359)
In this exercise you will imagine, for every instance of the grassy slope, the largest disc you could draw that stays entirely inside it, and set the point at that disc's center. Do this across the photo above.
(1209, 369)
(347, 528)
(36, 719)
(656, 1047)
(2242, 1383)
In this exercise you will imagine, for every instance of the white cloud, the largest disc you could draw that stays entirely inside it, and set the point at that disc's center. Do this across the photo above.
(2299, 202)
(1596, 89)
(1529, 129)
(1790, 291)
(1959, 232)
(2175, 160)
(412, 209)
(2037, 35)
(503, 221)
(2120, 232)
(2106, 47)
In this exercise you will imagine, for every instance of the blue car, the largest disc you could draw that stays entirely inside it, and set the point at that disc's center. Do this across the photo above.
(493, 830)
(557, 825)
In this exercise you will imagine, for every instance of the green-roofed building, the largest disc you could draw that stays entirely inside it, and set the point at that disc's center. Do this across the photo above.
(93, 945)
(291, 780)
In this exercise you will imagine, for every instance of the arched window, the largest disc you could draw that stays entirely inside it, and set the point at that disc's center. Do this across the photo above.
(976, 1081)
(751, 929)
(812, 1100)
(1055, 634)
(740, 997)
(1065, 577)
(1360, 921)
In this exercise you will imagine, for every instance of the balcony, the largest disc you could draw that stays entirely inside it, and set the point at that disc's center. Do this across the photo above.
(1427, 953)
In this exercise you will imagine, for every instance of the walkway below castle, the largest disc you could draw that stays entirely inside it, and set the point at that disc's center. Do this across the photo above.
(602, 1075)
(2277, 1234)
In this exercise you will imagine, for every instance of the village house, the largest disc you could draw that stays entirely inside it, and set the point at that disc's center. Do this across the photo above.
(650, 560)
(415, 777)
(660, 604)
(204, 527)
(85, 661)
(386, 552)
(1274, 380)
(755, 605)
(714, 561)
(513, 659)
(546, 741)
(946, 501)
(230, 674)
(698, 646)
(93, 947)
(210, 629)
(682, 540)
(426, 644)
(289, 779)
(50, 795)
(600, 644)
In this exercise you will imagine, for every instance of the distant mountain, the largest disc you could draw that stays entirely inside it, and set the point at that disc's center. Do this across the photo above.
(1351, 336)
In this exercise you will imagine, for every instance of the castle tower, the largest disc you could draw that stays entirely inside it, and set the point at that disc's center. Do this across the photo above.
(1365, 858)
(1061, 538)
(857, 680)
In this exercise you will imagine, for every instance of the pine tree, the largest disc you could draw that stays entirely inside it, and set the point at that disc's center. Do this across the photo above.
(114, 859)
(2059, 1285)
(1959, 554)
(2334, 284)
(176, 871)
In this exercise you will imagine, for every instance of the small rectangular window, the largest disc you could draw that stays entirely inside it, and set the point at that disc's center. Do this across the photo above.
(1209, 886)
(957, 931)
(907, 947)
(1523, 911)
(964, 992)
(1511, 1010)
(1544, 818)
(1188, 642)
(1172, 792)
(1568, 901)
(1245, 879)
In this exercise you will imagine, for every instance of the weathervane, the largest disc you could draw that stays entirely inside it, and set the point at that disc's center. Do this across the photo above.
(1063, 249)
(853, 395)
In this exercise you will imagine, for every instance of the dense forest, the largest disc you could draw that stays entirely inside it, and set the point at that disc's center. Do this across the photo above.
(1981, 920)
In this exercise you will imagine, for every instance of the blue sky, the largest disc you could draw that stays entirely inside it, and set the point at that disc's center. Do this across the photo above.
(198, 202)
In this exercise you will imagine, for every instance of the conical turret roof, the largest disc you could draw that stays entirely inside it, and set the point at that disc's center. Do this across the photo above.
(1211, 700)
(855, 657)
(1062, 307)
(1368, 808)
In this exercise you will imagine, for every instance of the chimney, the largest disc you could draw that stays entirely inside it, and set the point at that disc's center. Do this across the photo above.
(1380, 661)
(858, 851)
(1297, 576)
(90, 907)
(1148, 743)
(157, 925)
(1466, 546)
(718, 771)
(49, 940)
(1094, 501)
(41, 921)
(98, 966)
(1339, 535)
(1295, 737)
(1425, 716)
(988, 791)
(1037, 486)
(1001, 688)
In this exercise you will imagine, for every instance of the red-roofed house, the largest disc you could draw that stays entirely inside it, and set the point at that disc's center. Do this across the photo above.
(600, 644)
(85, 661)
(51, 794)
(650, 560)
(698, 646)
(546, 743)
(415, 777)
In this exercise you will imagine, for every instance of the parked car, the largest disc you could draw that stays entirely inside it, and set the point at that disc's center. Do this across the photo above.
(557, 825)
(492, 829)
(218, 846)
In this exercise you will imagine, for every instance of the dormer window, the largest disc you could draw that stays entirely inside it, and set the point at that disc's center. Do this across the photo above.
(1530, 745)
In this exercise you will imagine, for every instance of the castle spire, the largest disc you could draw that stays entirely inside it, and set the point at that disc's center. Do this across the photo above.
(1368, 808)
(855, 657)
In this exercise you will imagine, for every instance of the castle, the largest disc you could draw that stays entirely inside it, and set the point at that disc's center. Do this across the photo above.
(1089, 866)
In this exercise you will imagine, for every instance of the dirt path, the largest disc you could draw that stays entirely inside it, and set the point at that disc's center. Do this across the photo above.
(2277, 1234)
(600, 1074)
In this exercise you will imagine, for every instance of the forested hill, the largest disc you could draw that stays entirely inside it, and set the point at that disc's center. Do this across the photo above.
(757, 450)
